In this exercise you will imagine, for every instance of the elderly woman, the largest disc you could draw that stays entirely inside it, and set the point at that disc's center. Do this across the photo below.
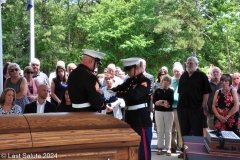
(32, 84)
(113, 105)
(225, 107)
(161, 73)
(18, 83)
(7, 102)
(58, 85)
(163, 99)
(235, 80)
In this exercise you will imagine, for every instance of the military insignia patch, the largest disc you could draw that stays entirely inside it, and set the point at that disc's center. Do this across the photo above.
(97, 87)
(144, 84)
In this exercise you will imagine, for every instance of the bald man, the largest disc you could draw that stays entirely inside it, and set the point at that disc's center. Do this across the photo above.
(41, 105)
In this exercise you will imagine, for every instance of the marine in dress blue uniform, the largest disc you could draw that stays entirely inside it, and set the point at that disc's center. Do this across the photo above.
(83, 85)
(135, 91)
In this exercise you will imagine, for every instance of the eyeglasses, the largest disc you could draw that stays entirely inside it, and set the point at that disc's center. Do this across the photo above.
(12, 70)
(235, 78)
(35, 64)
(29, 72)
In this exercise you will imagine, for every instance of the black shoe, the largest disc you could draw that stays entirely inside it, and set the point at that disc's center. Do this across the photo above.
(180, 155)
(173, 150)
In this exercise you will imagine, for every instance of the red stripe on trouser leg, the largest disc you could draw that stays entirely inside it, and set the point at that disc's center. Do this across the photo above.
(144, 144)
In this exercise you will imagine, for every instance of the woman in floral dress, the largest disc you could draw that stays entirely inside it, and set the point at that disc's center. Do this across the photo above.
(225, 107)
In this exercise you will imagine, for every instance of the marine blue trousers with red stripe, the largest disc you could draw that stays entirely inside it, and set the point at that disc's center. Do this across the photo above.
(145, 144)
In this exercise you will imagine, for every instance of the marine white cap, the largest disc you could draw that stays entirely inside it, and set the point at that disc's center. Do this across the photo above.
(130, 62)
(94, 54)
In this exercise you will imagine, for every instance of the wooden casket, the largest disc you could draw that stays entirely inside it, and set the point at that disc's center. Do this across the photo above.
(227, 144)
(88, 136)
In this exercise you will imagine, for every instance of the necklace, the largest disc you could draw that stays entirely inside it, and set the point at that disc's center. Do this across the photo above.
(6, 110)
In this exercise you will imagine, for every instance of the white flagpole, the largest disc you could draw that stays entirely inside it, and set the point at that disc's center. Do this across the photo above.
(1, 51)
(32, 34)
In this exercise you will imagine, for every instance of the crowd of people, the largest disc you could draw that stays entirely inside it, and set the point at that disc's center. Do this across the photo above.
(188, 103)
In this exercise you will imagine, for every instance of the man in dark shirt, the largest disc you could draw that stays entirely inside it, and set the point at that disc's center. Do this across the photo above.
(83, 86)
(215, 85)
(135, 92)
(193, 92)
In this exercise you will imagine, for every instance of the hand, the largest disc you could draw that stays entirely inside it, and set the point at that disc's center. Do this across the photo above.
(166, 105)
(109, 108)
(222, 119)
(32, 98)
(205, 111)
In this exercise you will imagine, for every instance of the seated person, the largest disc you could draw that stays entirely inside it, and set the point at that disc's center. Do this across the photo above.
(41, 105)
(114, 104)
(66, 104)
(7, 102)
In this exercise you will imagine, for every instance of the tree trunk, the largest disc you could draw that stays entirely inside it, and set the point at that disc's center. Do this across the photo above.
(229, 60)
(194, 52)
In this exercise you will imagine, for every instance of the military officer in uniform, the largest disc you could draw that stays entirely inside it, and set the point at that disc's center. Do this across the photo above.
(135, 91)
(83, 86)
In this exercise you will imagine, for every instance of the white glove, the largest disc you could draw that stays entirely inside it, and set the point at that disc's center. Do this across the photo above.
(106, 94)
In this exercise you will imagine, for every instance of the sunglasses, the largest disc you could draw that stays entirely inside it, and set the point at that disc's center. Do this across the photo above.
(29, 72)
(12, 70)
(35, 64)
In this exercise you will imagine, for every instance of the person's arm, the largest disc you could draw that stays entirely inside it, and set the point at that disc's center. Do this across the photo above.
(214, 109)
(53, 93)
(204, 103)
(235, 107)
(158, 102)
(23, 89)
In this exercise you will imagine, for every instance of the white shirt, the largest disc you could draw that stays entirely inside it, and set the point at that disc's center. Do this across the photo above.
(40, 107)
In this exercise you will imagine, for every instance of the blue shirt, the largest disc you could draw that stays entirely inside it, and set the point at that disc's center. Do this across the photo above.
(174, 85)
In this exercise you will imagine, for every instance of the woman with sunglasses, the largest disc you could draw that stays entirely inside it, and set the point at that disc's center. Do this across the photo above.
(161, 73)
(18, 83)
(32, 84)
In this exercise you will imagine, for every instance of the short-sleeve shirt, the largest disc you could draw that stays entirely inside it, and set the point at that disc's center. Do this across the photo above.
(191, 89)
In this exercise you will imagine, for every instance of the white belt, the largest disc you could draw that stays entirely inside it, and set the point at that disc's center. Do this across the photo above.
(135, 107)
(83, 105)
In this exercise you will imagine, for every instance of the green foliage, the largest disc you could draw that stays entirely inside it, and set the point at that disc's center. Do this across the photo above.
(161, 32)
